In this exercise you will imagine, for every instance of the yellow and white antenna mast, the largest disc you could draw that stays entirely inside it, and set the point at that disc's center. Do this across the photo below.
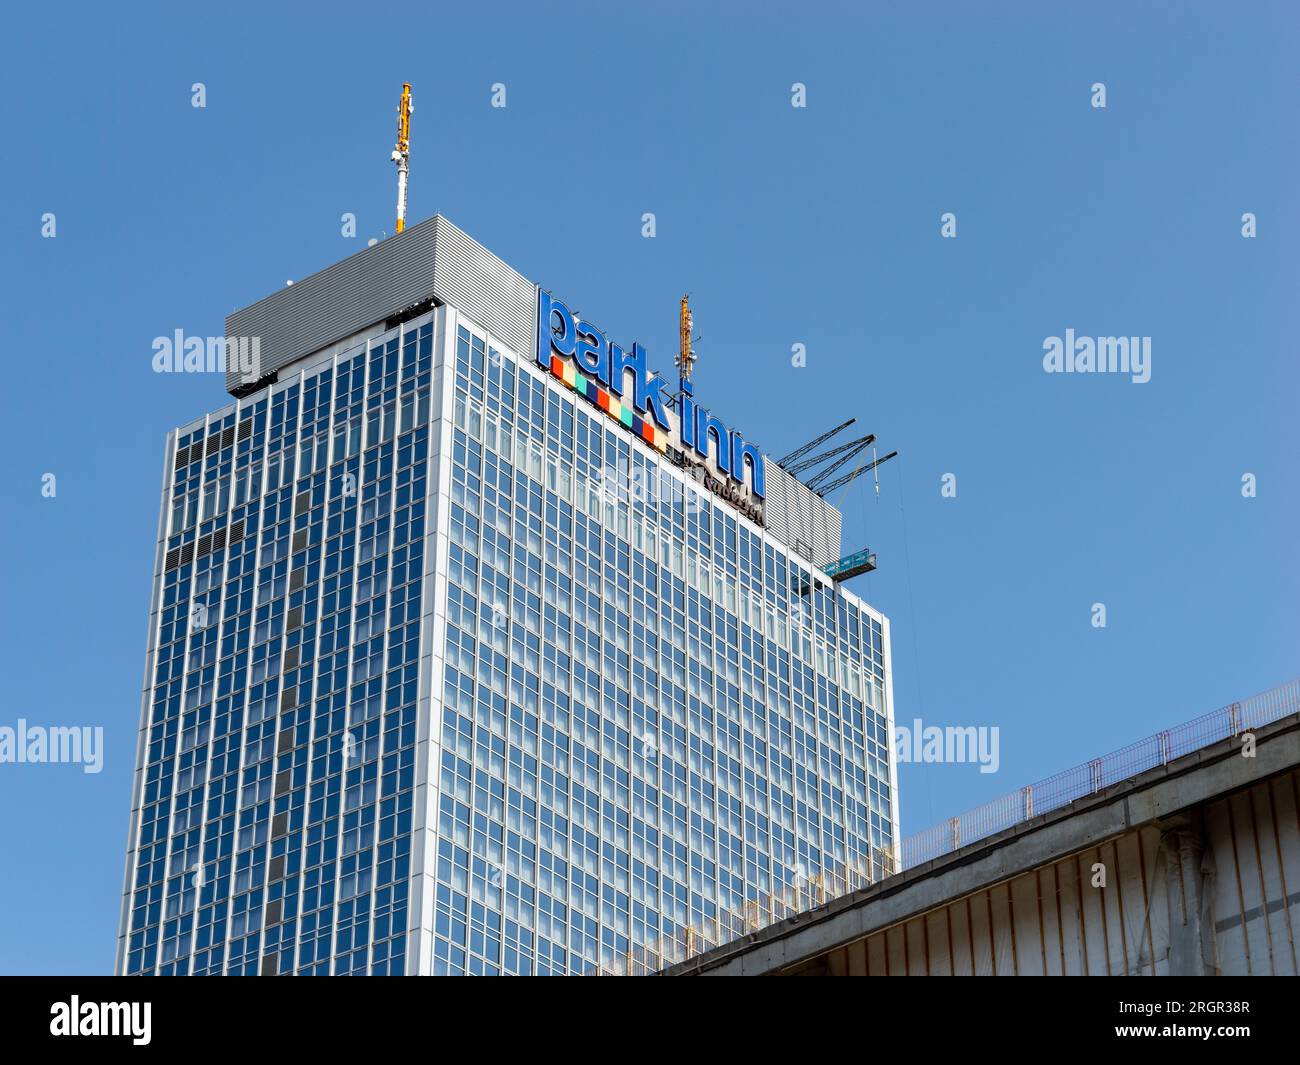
(402, 153)
(686, 354)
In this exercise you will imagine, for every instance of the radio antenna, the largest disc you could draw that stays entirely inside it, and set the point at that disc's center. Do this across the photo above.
(402, 153)
(685, 359)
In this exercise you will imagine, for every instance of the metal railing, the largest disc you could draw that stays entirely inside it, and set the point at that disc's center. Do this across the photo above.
(992, 817)
(1099, 773)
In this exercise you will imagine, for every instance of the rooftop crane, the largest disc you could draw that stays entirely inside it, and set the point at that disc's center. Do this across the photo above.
(821, 491)
(799, 452)
(853, 445)
(402, 153)
(863, 561)
(822, 477)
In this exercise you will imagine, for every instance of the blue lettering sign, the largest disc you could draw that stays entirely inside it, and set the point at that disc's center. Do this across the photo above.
(561, 336)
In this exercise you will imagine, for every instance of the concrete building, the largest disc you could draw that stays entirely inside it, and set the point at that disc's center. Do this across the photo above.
(474, 650)
(1191, 867)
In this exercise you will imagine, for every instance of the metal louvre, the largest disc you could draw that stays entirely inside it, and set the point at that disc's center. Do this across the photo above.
(433, 258)
(799, 517)
(481, 286)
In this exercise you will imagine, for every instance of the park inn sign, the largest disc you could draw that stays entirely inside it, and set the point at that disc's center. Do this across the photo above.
(578, 354)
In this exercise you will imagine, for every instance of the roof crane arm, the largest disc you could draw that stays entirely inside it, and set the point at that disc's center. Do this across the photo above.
(849, 476)
(808, 464)
(826, 474)
(801, 451)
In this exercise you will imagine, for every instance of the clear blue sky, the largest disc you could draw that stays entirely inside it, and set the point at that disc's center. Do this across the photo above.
(817, 226)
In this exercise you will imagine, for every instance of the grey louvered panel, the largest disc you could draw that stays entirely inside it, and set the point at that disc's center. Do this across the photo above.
(433, 258)
(470, 278)
(793, 512)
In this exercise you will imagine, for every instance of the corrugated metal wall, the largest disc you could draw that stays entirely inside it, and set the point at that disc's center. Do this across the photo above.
(1244, 870)
(1256, 897)
(796, 515)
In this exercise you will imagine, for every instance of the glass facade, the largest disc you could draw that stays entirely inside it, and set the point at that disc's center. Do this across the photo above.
(449, 674)
(275, 780)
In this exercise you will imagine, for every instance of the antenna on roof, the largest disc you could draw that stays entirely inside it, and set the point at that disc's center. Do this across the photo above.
(402, 153)
(685, 359)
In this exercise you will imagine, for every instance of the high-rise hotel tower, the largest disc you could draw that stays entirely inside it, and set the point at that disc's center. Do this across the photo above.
(476, 647)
